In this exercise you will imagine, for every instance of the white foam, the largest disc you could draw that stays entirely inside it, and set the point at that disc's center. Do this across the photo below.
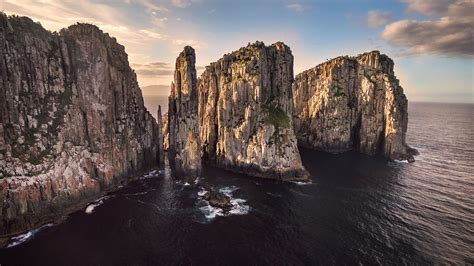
(20, 239)
(150, 174)
(228, 190)
(91, 207)
(186, 184)
(301, 183)
(211, 212)
(238, 205)
(400, 161)
(202, 192)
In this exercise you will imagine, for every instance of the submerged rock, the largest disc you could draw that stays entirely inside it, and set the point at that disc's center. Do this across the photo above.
(72, 120)
(245, 106)
(352, 103)
(218, 199)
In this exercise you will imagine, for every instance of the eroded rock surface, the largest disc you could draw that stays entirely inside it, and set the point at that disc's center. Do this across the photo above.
(245, 122)
(218, 199)
(352, 103)
(184, 142)
(72, 120)
(161, 150)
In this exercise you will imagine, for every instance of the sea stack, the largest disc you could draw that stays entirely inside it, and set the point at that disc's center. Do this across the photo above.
(352, 103)
(161, 150)
(184, 143)
(72, 120)
(245, 121)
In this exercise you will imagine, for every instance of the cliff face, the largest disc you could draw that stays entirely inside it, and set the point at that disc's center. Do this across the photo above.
(72, 120)
(184, 142)
(161, 149)
(352, 103)
(245, 113)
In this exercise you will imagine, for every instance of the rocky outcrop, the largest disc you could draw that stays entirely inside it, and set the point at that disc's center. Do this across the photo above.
(352, 103)
(72, 120)
(218, 199)
(166, 134)
(184, 142)
(245, 113)
(161, 150)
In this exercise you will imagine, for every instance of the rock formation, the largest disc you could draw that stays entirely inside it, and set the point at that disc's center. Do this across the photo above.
(352, 103)
(161, 150)
(72, 120)
(184, 142)
(218, 199)
(166, 134)
(245, 113)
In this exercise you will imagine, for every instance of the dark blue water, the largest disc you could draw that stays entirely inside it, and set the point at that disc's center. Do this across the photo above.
(357, 209)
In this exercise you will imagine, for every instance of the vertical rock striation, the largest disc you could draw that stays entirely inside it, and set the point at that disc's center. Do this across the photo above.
(352, 103)
(72, 120)
(161, 150)
(184, 142)
(245, 113)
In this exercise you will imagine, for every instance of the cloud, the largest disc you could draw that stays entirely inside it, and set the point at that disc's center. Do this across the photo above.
(153, 34)
(428, 7)
(377, 18)
(450, 35)
(297, 7)
(183, 3)
(194, 43)
(156, 90)
(150, 6)
(154, 69)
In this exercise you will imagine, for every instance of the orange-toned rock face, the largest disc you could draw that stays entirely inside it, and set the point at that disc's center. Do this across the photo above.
(184, 142)
(352, 103)
(245, 113)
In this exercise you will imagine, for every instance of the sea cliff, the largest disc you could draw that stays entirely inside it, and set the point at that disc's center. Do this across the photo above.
(352, 103)
(245, 106)
(72, 120)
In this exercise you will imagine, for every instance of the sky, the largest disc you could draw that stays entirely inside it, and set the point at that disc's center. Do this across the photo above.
(431, 41)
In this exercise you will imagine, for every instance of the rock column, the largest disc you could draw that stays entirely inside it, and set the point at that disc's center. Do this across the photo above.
(352, 103)
(161, 150)
(184, 142)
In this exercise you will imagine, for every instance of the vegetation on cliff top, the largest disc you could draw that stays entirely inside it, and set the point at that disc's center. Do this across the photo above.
(276, 116)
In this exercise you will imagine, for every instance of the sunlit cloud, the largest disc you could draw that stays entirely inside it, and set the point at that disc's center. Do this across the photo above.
(428, 7)
(450, 35)
(376, 18)
(156, 29)
(183, 3)
(154, 69)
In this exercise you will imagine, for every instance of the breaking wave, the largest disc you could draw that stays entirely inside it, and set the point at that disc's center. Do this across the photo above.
(239, 206)
(20, 239)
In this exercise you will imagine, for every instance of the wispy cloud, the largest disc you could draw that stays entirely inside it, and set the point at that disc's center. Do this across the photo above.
(376, 18)
(429, 7)
(450, 35)
(183, 3)
(154, 69)
(156, 29)
(297, 7)
(194, 43)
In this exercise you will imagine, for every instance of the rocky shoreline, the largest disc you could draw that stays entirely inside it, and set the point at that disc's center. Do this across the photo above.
(73, 124)
(72, 119)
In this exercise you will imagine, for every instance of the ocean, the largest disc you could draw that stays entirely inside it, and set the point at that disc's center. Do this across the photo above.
(357, 210)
